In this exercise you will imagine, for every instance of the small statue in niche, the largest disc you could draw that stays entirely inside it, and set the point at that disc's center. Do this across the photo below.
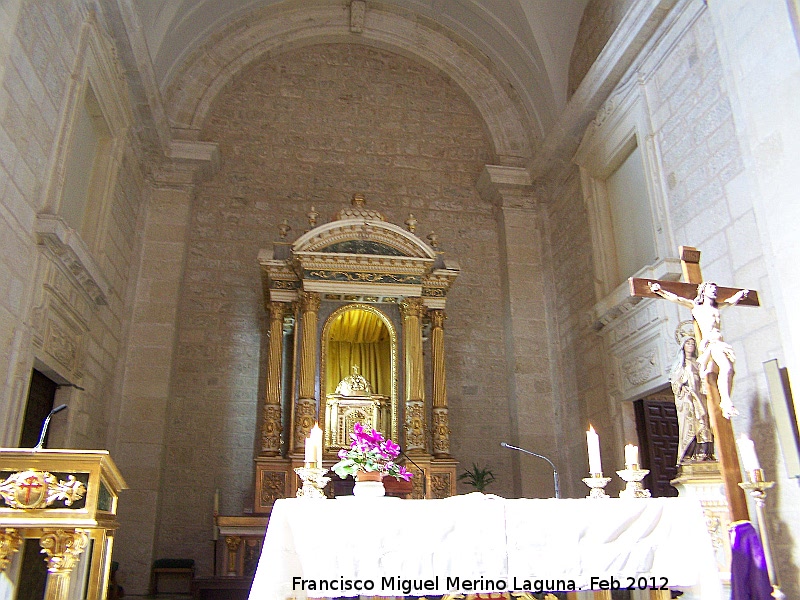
(354, 385)
(695, 441)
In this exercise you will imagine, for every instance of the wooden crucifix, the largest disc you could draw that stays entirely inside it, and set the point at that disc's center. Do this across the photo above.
(716, 358)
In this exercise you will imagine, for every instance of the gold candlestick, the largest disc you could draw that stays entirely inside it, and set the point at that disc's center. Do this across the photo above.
(597, 482)
(314, 481)
(633, 476)
(758, 491)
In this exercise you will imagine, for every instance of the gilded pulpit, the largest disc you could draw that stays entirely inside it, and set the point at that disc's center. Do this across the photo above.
(67, 500)
(347, 302)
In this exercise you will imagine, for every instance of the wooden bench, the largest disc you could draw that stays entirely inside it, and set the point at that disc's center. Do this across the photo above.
(180, 567)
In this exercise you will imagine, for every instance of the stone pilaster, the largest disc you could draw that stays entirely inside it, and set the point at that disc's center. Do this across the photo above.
(524, 278)
(148, 370)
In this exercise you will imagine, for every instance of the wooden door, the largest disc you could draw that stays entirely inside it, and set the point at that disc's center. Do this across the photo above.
(657, 427)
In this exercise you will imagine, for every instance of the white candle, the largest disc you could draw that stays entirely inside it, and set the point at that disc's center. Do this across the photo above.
(747, 451)
(215, 534)
(316, 437)
(631, 455)
(593, 442)
(309, 458)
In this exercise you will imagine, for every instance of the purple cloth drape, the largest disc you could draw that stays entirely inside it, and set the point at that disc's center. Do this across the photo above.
(749, 576)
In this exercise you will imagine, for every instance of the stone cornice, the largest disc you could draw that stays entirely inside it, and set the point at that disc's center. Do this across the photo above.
(66, 248)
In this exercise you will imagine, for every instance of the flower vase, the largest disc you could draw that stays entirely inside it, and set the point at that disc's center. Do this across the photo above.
(369, 484)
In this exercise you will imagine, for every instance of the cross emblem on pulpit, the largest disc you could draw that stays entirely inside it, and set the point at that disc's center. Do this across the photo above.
(28, 485)
(705, 299)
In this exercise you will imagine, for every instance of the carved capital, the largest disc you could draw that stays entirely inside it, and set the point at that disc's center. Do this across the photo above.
(63, 548)
(233, 542)
(309, 302)
(9, 544)
(412, 307)
(277, 310)
(437, 317)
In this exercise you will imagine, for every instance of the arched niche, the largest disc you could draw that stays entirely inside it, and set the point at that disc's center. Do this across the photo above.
(362, 336)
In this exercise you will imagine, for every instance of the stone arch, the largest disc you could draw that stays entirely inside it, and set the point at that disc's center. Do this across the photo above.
(270, 32)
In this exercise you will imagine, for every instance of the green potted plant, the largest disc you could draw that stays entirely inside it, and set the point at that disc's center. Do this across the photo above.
(478, 478)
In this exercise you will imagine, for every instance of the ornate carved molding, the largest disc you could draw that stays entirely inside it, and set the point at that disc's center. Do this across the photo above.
(271, 431)
(415, 426)
(28, 490)
(305, 416)
(272, 487)
(441, 432)
(441, 484)
(64, 246)
(641, 368)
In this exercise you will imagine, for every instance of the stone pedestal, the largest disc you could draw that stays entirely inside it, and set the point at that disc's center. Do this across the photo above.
(703, 480)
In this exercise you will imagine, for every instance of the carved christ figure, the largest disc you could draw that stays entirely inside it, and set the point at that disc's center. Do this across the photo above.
(714, 351)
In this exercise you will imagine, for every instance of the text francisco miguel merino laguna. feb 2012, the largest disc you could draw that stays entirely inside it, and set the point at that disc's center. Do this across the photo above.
(469, 584)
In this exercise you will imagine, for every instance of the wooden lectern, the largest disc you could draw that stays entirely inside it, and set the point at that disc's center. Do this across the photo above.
(67, 499)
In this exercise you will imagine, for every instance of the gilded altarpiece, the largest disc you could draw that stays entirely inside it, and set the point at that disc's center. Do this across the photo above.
(359, 292)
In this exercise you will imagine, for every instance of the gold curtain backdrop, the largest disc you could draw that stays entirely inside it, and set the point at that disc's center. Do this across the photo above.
(359, 337)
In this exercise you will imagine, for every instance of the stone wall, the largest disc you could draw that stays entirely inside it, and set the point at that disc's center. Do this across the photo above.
(711, 207)
(312, 127)
(42, 44)
(709, 204)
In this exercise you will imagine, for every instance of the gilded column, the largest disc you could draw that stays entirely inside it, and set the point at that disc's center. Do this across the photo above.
(441, 429)
(306, 407)
(415, 428)
(271, 425)
(63, 549)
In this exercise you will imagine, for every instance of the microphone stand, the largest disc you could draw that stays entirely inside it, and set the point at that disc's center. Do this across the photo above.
(422, 473)
(555, 473)
(46, 424)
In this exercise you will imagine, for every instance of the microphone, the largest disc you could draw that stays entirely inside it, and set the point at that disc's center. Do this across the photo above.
(422, 474)
(46, 425)
(555, 473)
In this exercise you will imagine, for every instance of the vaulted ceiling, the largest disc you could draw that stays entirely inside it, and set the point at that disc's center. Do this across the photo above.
(527, 42)
(525, 37)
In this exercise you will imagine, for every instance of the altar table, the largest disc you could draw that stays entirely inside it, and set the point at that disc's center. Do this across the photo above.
(477, 543)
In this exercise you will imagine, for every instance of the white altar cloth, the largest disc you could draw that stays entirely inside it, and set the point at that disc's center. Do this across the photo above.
(476, 543)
